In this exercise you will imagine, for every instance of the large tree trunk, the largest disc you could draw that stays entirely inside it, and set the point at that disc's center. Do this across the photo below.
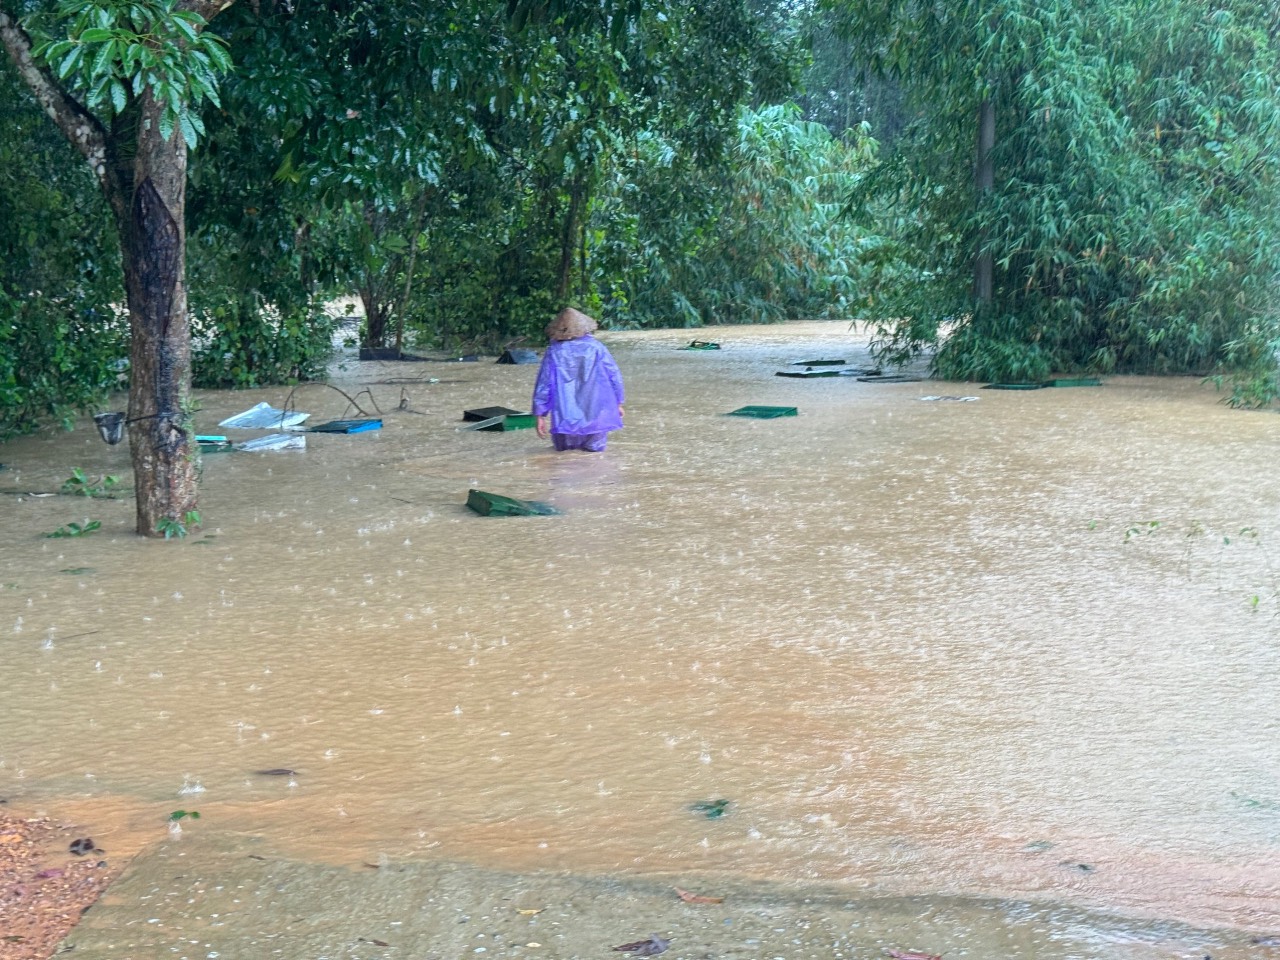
(148, 207)
(153, 240)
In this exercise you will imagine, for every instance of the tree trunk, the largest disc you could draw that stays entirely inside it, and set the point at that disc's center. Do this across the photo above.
(568, 233)
(984, 181)
(153, 242)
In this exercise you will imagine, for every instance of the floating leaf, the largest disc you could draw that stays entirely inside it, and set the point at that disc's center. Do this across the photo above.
(180, 814)
(529, 911)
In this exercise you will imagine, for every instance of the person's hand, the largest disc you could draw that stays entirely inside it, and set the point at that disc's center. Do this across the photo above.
(622, 414)
(544, 426)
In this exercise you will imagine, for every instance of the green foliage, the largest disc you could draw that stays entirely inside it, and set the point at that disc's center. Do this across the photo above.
(75, 530)
(61, 341)
(754, 239)
(175, 528)
(184, 815)
(79, 484)
(114, 50)
(1134, 222)
(247, 343)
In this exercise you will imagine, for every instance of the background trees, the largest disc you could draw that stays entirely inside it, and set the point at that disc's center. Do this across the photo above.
(1131, 220)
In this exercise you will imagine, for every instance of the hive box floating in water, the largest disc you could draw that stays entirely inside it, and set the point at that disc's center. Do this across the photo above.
(809, 374)
(519, 355)
(1014, 386)
(817, 363)
(1074, 382)
(349, 426)
(496, 505)
(487, 413)
(702, 345)
(512, 421)
(764, 413)
(888, 378)
(212, 444)
(263, 416)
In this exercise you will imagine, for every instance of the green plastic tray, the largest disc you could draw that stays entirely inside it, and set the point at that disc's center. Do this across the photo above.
(1074, 382)
(496, 505)
(512, 421)
(764, 413)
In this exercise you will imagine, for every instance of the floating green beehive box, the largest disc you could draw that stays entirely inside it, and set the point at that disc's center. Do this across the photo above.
(764, 413)
(809, 374)
(818, 363)
(512, 421)
(496, 505)
(702, 345)
(1074, 382)
(1014, 386)
(486, 413)
(213, 444)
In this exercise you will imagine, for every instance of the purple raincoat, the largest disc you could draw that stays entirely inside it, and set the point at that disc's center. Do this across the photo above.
(580, 386)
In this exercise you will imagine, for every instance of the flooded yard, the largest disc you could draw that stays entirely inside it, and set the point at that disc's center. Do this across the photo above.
(1020, 649)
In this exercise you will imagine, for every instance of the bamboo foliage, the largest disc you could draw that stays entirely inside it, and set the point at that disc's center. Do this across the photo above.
(1133, 224)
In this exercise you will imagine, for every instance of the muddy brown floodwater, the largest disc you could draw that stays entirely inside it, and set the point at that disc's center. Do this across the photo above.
(1021, 647)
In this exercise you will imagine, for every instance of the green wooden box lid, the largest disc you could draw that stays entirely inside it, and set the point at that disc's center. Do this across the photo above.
(1014, 386)
(1074, 382)
(764, 413)
(496, 505)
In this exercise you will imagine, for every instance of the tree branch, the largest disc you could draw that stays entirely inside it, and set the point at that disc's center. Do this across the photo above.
(78, 125)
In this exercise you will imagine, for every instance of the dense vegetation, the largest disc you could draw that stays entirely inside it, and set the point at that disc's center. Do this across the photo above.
(1017, 186)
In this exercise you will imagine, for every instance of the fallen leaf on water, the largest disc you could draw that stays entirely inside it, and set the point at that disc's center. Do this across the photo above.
(645, 948)
(688, 897)
(913, 955)
(529, 911)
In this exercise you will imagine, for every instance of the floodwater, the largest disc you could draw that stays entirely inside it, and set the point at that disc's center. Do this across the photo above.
(1021, 647)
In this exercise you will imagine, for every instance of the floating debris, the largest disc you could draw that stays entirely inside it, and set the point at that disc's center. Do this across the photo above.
(688, 897)
(711, 809)
(82, 846)
(349, 426)
(519, 355)
(913, 955)
(263, 416)
(953, 398)
(817, 363)
(496, 505)
(274, 442)
(757, 412)
(277, 772)
(489, 413)
(645, 948)
(702, 345)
